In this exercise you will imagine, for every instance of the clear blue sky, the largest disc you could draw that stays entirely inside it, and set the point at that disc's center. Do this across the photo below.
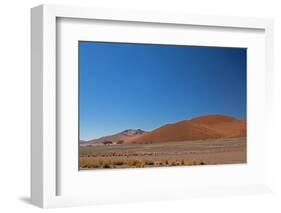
(144, 86)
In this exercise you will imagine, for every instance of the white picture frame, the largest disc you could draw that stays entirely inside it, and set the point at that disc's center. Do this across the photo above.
(45, 154)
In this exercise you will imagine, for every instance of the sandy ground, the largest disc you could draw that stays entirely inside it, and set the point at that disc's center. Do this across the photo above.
(204, 152)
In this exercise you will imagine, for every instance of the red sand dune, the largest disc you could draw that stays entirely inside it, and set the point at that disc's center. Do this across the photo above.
(200, 128)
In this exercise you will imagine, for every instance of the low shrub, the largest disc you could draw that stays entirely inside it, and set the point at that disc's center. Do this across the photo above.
(106, 166)
(118, 163)
(202, 163)
(150, 163)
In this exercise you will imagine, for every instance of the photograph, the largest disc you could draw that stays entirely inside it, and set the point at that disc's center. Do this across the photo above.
(161, 105)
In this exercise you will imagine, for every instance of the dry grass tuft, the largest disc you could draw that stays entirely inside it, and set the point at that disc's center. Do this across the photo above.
(89, 163)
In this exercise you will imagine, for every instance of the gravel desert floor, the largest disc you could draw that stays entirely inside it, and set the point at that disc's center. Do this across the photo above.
(184, 153)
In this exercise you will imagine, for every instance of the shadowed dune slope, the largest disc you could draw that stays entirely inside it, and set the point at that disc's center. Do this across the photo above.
(200, 128)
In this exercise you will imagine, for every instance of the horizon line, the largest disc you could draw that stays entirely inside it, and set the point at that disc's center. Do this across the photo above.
(124, 129)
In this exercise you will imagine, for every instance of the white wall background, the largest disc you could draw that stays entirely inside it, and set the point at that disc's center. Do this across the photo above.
(15, 103)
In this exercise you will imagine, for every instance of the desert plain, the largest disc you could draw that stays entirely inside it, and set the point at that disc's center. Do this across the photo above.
(205, 140)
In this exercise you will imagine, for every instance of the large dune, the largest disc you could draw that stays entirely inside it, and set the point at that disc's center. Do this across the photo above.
(200, 128)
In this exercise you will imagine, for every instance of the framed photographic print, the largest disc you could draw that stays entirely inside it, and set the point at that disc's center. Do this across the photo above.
(153, 105)
(148, 105)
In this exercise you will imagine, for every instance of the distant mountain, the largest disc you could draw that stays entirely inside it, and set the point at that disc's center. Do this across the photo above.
(199, 128)
(120, 137)
(132, 132)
